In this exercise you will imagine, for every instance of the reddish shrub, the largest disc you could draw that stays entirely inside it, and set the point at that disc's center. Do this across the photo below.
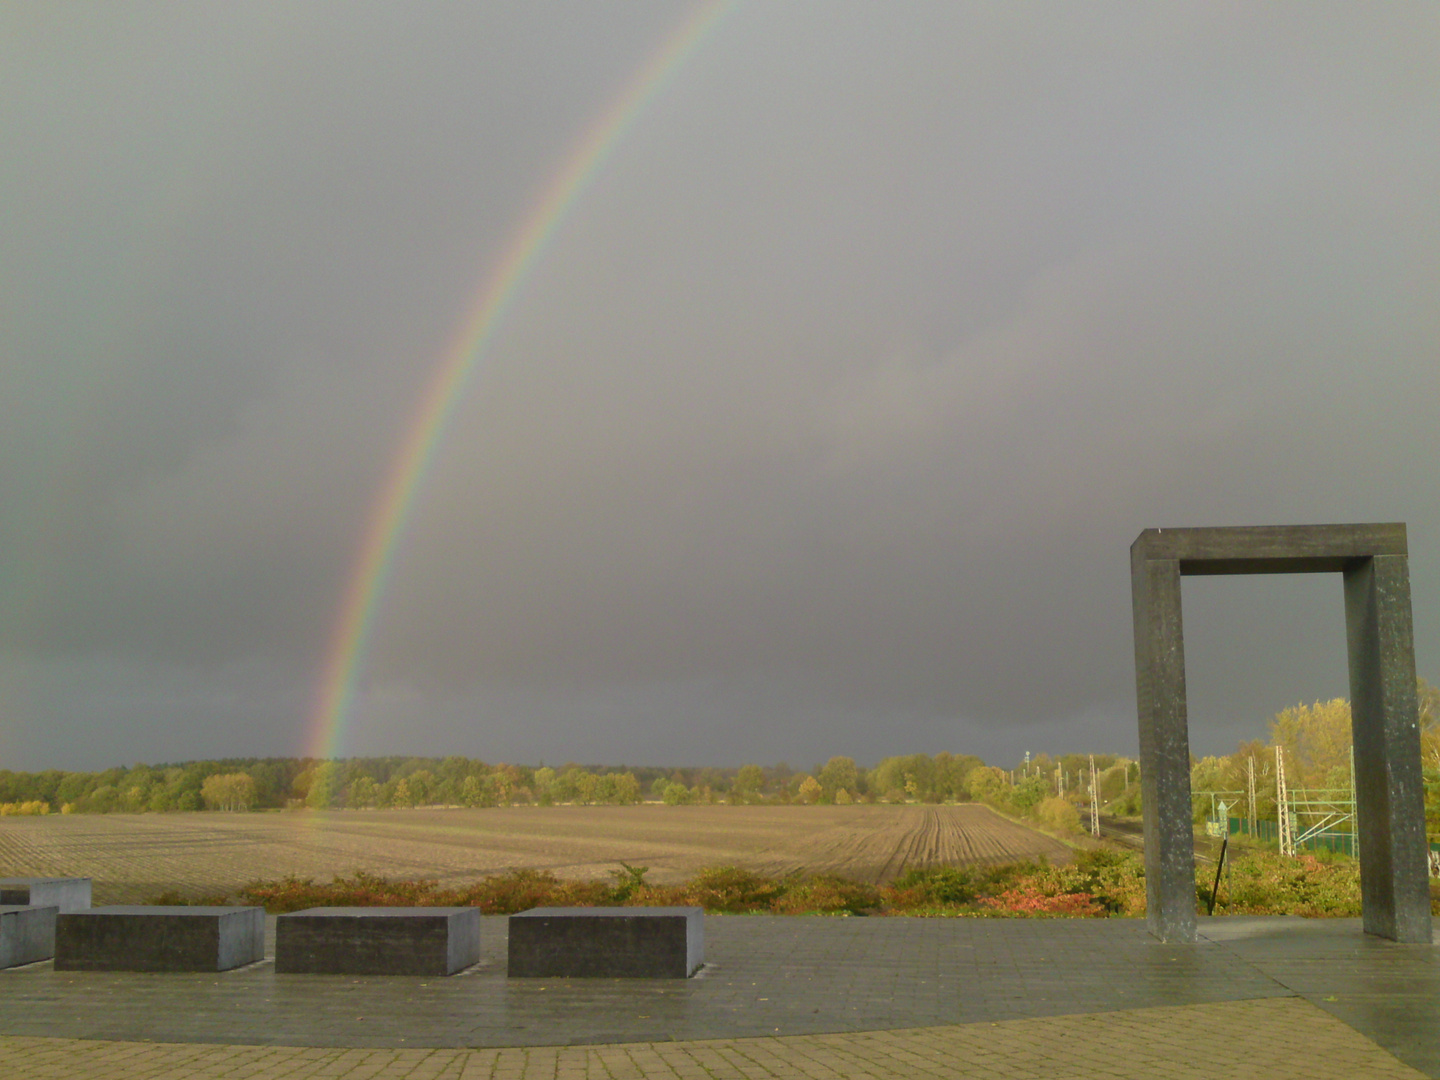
(1028, 900)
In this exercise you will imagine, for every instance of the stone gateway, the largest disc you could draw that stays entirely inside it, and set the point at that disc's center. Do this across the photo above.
(1373, 561)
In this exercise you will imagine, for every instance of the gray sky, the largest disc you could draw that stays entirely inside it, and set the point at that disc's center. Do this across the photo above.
(823, 425)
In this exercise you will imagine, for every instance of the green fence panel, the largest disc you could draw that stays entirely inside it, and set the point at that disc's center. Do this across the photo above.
(1344, 843)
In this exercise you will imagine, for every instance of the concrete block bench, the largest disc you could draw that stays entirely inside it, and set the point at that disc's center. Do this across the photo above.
(607, 942)
(68, 894)
(27, 933)
(377, 940)
(157, 938)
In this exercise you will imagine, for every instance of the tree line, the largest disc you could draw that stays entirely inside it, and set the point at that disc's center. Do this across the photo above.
(359, 783)
(1313, 739)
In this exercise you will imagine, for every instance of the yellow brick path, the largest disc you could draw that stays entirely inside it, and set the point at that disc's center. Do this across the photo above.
(1263, 1039)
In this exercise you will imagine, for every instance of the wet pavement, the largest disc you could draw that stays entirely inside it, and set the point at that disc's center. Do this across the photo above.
(769, 976)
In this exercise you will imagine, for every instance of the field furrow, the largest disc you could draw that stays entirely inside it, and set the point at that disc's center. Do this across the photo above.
(133, 857)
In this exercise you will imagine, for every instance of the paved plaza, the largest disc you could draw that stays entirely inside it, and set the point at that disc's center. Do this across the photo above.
(782, 997)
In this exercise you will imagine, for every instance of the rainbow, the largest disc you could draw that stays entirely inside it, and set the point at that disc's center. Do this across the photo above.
(386, 520)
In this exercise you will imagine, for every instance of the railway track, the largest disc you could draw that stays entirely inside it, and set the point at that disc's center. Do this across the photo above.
(1131, 834)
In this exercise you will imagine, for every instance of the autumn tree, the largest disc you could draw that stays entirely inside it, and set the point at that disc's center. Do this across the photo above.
(324, 786)
(989, 784)
(675, 794)
(749, 783)
(228, 791)
(625, 788)
(361, 792)
(1316, 740)
(509, 784)
(839, 773)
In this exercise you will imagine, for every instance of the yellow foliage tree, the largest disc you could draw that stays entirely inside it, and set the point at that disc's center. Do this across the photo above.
(228, 791)
(1316, 739)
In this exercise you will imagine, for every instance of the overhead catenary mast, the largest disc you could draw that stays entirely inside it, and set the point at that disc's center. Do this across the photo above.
(1250, 769)
(1282, 805)
(1094, 800)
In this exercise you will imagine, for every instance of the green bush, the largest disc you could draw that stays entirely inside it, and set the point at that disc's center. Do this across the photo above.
(1128, 804)
(938, 885)
(827, 894)
(628, 881)
(733, 889)
(1260, 882)
(1115, 879)
(1058, 815)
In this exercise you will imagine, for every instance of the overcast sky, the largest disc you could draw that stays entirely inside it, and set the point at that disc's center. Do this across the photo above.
(823, 425)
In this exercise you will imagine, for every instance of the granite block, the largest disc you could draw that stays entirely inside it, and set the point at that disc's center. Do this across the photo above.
(607, 942)
(159, 938)
(68, 894)
(27, 934)
(377, 940)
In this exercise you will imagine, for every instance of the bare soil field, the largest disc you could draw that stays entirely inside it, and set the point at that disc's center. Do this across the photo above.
(134, 857)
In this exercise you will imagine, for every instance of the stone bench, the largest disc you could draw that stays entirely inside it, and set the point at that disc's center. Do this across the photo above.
(607, 942)
(158, 938)
(377, 940)
(68, 894)
(27, 933)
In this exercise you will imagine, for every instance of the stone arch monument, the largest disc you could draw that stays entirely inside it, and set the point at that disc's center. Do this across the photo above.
(1373, 561)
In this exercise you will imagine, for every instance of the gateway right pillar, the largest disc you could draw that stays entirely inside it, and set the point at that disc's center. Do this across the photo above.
(1384, 712)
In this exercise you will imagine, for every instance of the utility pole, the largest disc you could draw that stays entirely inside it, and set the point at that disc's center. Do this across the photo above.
(1282, 803)
(1094, 800)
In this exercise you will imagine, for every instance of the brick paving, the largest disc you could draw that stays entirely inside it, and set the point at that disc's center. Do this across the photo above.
(781, 997)
(1273, 1037)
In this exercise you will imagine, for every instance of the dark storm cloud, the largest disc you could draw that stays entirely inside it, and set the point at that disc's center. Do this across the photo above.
(823, 425)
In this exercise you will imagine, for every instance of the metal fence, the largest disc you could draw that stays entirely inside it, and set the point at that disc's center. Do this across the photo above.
(1342, 842)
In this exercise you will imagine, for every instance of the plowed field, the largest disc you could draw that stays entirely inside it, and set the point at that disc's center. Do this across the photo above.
(132, 857)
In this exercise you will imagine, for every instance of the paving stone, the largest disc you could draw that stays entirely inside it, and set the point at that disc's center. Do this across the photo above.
(772, 977)
(1276, 1037)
